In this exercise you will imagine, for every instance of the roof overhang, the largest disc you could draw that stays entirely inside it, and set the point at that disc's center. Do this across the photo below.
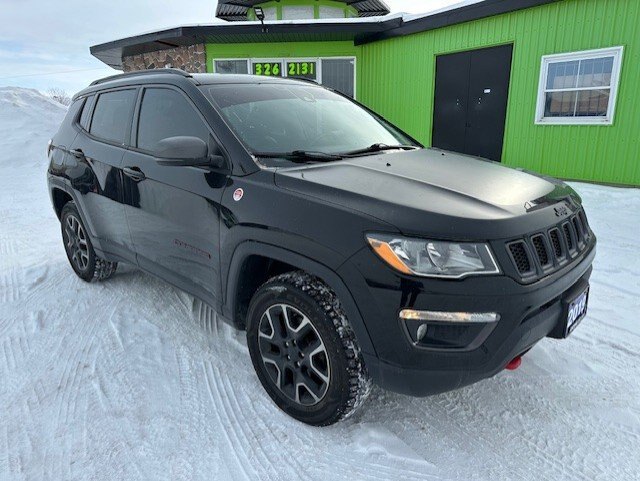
(112, 53)
(464, 12)
(359, 30)
(236, 10)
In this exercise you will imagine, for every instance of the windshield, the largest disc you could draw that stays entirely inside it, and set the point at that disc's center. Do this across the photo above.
(279, 119)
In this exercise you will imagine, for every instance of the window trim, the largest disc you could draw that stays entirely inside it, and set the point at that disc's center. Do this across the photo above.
(135, 125)
(127, 139)
(616, 52)
(232, 60)
(283, 60)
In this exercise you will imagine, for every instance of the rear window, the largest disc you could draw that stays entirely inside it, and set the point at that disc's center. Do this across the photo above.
(112, 114)
(85, 116)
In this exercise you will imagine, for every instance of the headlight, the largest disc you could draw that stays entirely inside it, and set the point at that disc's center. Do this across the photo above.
(431, 258)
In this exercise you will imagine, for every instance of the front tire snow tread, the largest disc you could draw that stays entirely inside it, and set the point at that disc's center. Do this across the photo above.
(359, 381)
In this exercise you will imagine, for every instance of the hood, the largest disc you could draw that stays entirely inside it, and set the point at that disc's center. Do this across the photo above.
(431, 190)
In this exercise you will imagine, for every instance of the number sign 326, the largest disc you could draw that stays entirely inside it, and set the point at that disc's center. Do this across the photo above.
(268, 69)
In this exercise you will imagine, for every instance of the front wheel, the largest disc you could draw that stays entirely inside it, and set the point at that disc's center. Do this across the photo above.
(304, 350)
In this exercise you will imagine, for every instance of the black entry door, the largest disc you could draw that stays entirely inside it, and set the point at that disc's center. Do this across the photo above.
(470, 105)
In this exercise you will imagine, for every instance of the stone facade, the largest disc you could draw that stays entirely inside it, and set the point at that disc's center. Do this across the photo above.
(191, 58)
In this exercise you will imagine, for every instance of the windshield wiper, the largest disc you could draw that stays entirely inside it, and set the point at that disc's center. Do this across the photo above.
(378, 148)
(300, 156)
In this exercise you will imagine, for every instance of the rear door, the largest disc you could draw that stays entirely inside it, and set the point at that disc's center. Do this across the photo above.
(96, 160)
(173, 212)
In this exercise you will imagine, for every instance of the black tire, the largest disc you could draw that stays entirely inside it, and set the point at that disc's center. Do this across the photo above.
(329, 385)
(77, 245)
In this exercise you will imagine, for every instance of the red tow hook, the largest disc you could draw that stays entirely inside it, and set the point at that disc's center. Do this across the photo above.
(514, 363)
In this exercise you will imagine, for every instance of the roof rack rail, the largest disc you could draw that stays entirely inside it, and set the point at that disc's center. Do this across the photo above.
(157, 71)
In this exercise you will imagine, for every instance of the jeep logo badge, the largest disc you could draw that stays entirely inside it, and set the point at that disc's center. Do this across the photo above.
(561, 211)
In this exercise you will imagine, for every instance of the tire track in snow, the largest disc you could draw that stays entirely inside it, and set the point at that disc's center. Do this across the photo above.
(254, 445)
(230, 435)
(9, 286)
(252, 423)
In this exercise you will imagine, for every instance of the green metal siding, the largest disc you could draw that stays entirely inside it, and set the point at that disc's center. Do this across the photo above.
(396, 78)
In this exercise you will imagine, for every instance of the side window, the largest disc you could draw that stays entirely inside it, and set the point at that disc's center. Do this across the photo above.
(111, 115)
(85, 116)
(167, 113)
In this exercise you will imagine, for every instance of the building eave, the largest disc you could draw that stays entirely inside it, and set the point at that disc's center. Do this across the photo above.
(359, 30)
(112, 53)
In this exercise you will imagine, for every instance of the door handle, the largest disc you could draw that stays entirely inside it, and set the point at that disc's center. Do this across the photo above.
(78, 153)
(134, 173)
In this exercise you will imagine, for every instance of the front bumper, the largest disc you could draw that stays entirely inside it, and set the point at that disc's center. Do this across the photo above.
(528, 314)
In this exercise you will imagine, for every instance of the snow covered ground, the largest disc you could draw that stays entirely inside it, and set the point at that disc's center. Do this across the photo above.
(132, 379)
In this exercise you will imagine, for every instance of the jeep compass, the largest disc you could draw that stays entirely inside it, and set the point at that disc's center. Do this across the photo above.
(350, 254)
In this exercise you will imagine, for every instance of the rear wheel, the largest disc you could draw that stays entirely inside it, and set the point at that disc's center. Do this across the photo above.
(304, 350)
(83, 259)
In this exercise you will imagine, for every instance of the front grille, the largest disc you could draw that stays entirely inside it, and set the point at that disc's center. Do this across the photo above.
(556, 243)
(520, 257)
(568, 236)
(541, 250)
(542, 253)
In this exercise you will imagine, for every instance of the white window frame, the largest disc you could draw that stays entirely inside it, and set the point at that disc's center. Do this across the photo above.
(284, 60)
(231, 60)
(615, 52)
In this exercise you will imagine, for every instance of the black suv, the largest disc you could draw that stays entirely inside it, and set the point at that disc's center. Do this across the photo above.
(347, 251)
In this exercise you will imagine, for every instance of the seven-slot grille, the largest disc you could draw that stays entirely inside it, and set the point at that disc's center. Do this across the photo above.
(543, 252)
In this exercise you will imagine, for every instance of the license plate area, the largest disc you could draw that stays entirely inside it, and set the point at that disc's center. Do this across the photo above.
(576, 311)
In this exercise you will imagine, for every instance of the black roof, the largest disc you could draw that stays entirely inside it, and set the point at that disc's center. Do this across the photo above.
(359, 31)
(236, 10)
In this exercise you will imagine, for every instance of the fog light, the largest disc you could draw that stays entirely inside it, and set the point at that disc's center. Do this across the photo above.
(422, 331)
(438, 316)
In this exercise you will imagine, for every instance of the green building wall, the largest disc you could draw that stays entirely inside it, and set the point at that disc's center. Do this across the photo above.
(396, 77)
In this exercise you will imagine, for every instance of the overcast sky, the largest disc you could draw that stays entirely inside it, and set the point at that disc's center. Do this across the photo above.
(45, 43)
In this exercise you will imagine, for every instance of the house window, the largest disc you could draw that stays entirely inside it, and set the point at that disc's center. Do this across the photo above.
(579, 88)
(340, 74)
(231, 66)
(331, 12)
(297, 13)
(270, 13)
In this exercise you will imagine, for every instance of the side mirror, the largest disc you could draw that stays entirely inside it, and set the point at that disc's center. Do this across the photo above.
(186, 152)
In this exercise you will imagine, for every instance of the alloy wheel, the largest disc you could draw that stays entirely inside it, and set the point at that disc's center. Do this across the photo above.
(76, 242)
(294, 355)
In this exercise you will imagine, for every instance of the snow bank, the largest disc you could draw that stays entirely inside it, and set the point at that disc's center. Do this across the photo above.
(132, 379)
(27, 121)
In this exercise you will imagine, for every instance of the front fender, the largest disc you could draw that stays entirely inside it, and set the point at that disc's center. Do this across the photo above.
(327, 274)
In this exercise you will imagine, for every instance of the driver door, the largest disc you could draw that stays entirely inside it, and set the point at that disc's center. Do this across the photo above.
(173, 212)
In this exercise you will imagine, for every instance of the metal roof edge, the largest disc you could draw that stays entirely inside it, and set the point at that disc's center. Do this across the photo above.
(466, 13)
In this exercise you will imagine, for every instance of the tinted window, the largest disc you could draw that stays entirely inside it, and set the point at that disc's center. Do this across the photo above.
(167, 113)
(112, 114)
(86, 113)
